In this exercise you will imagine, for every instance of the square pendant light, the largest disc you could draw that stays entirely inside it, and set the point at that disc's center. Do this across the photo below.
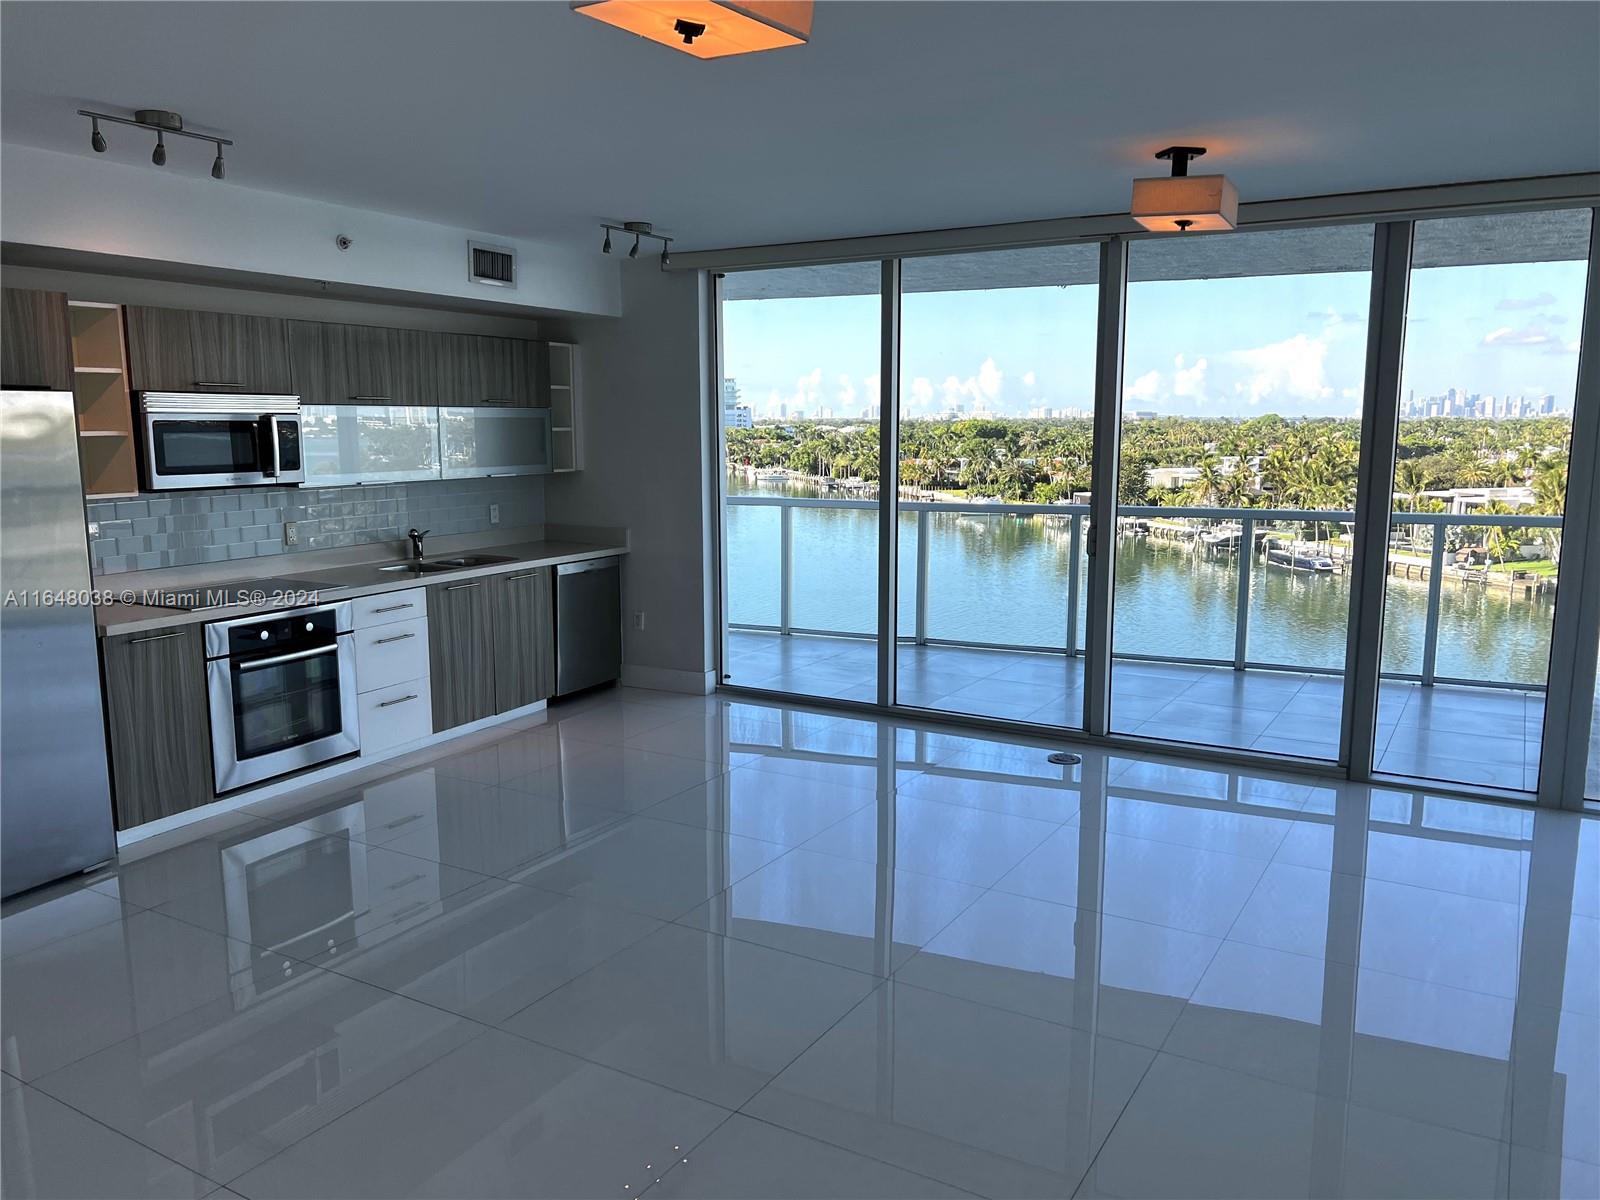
(708, 28)
(1183, 202)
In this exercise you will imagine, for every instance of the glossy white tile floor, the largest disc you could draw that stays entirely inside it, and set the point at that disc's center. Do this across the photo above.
(692, 947)
(1473, 735)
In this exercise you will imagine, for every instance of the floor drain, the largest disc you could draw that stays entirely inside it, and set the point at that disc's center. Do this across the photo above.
(1065, 758)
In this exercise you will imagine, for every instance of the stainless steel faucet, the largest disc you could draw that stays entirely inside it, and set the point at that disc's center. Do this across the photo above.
(416, 542)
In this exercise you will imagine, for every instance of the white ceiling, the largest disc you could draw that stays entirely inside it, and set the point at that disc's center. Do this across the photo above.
(528, 120)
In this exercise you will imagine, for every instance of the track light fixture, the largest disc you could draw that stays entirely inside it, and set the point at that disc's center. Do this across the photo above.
(163, 122)
(640, 230)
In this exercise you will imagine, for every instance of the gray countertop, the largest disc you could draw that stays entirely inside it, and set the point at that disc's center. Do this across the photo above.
(343, 582)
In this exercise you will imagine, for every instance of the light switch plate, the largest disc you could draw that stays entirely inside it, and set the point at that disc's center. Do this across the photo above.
(494, 514)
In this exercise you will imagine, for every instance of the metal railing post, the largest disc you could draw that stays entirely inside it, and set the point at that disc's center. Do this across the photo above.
(1074, 548)
(1430, 627)
(1241, 616)
(922, 576)
(785, 569)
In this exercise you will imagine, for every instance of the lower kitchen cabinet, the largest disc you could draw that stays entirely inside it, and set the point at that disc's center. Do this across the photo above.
(398, 715)
(160, 723)
(524, 638)
(461, 651)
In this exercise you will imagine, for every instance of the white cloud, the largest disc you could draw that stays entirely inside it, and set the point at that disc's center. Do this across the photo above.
(975, 391)
(1528, 335)
(1146, 387)
(1029, 379)
(1189, 381)
(1293, 368)
(920, 395)
(844, 397)
(1513, 303)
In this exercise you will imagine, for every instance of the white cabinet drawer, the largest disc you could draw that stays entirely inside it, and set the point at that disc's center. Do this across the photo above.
(388, 654)
(388, 607)
(394, 716)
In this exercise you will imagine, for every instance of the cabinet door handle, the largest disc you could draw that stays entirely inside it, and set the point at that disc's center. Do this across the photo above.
(396, 700)
(373, 399)
(154, 637)
(399, 637)
(528, 574)
(218, 383)
(394, 607)
(455, 587)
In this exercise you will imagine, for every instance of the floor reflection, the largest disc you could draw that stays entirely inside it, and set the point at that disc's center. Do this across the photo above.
(918, 959)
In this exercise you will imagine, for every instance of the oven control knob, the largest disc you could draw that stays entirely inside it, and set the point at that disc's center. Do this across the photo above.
(265, 635)
(309, 626)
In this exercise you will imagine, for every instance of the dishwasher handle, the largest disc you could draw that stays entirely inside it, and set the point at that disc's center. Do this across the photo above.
(592, 564)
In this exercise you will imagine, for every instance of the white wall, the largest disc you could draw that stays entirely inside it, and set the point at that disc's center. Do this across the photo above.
(644, 384)
(93, 204)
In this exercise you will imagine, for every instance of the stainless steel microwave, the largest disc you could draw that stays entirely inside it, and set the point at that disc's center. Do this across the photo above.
(203, 440)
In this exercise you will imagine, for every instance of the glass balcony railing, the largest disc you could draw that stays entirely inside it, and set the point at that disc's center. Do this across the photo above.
(1248, 588)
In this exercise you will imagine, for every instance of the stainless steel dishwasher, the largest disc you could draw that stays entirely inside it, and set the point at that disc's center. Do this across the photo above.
(588, 624)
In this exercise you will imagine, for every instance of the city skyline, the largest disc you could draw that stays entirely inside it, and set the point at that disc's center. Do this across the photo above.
(1291, 344)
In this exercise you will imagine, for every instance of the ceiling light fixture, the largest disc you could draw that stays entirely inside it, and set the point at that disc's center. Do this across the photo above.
(708, 28)
(640, 230)
(164, 123)
(1183, 201)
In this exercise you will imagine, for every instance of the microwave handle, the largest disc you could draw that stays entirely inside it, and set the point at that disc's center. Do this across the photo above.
(268, 433)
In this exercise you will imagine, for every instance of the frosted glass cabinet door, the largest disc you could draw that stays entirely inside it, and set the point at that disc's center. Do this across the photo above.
(380, 443)
(494, 441)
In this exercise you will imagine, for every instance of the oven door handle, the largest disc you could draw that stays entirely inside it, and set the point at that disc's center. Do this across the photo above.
(276, 659)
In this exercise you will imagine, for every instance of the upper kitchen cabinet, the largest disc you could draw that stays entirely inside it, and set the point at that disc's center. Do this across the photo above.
(362, 364)
(239, 353)
(37, 344)
(312, 363)
(471, 369)
(160, 350)
(507, 372)
(174, 350)
(368, 443)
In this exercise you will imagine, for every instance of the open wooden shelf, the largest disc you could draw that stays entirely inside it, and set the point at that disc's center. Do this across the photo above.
(104, 406)
(109, 468)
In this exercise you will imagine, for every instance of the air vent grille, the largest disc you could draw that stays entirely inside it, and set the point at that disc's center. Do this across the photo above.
(493, 265)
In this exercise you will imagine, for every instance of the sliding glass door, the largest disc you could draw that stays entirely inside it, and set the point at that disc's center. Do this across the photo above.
(1245, 362)
(800, 412)
(1241, 429)
(1486, 403)
(996, 444)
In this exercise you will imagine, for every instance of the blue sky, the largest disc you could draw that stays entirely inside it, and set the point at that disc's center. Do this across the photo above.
(1290, 344)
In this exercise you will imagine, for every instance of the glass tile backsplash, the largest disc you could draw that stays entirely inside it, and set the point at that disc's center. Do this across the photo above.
(204, 526)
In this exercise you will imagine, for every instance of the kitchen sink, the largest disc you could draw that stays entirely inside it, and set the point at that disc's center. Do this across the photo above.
(470, 560)
(456, 563)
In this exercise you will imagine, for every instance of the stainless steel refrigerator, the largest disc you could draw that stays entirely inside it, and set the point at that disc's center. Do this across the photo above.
(55, 791)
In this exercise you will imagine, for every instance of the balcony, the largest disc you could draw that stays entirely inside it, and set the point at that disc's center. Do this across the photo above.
(1244, 650)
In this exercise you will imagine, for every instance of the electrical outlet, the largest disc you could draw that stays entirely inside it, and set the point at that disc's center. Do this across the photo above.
(638, 620)
(291, 533)
(94, 528)
(494, 514)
